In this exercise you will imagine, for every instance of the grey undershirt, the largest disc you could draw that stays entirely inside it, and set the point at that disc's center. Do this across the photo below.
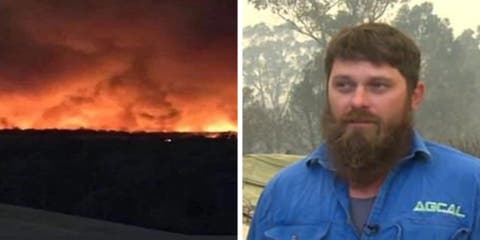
(359, 211)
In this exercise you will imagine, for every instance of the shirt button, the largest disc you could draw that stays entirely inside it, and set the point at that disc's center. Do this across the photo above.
(294, 237)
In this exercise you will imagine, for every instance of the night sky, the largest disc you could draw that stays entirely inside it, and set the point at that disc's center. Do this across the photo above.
(140, 65)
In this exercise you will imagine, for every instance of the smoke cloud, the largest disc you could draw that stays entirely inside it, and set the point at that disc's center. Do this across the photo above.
(118, 64)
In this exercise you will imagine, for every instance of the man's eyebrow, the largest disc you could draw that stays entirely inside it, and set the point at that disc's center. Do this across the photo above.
(380, 79)
(341, 77)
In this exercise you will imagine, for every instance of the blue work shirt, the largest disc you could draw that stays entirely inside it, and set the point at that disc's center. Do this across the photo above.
(432, 193)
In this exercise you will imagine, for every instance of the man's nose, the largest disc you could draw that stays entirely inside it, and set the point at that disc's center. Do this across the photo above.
(360, 98)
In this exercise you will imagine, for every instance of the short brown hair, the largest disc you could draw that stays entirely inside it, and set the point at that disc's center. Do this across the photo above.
(377, 43)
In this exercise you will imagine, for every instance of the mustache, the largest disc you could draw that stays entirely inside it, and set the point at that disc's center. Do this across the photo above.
(360, 115)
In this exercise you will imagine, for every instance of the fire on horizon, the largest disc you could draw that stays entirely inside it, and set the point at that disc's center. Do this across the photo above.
(118, 65)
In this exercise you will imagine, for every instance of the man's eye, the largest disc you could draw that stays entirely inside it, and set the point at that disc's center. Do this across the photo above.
(344, 86)
(378, 86)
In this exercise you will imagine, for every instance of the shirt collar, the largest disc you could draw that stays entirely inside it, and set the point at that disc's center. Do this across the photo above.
(418, 148)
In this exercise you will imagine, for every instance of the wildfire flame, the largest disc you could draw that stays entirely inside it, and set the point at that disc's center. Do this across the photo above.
(148, 66)
(109, 114)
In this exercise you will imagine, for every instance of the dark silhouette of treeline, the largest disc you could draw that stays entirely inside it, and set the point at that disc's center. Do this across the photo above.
(178, 182)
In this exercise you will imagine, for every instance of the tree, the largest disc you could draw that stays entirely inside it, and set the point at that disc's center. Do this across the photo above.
(320, 19)
(255, 123)
(272, 61)
(306, 105)
(451, 84)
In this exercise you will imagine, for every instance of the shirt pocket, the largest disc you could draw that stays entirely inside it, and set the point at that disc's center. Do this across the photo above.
(438, 230)
(298, 232)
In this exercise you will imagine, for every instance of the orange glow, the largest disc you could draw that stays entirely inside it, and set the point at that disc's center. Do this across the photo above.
(118, 67)
(78, 107)
(105, 114)
(221, 127)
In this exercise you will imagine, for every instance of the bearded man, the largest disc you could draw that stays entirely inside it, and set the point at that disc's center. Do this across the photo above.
(374, 177)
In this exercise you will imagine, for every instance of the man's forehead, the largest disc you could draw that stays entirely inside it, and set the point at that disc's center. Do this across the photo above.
(363, 69)
(352, 61)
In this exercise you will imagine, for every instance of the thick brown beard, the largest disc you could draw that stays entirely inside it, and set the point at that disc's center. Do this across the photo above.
(364, 157)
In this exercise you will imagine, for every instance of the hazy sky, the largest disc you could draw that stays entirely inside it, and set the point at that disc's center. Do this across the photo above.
(462, 14)
(118, 64)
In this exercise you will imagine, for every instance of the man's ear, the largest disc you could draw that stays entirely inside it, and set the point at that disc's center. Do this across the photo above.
(417, 95)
